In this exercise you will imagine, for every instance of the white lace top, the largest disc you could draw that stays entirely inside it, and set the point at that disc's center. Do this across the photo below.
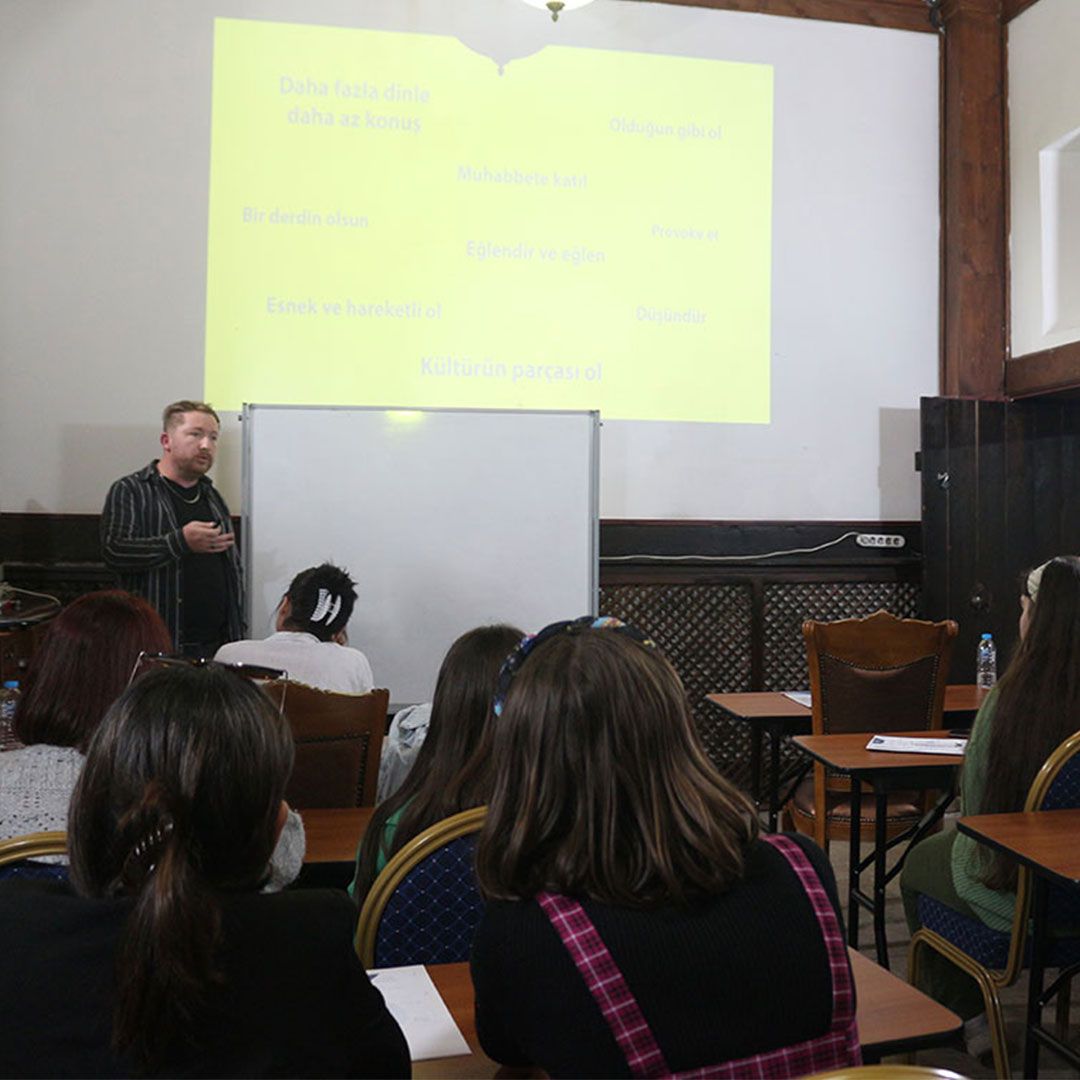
(36, 783)
(35, 787)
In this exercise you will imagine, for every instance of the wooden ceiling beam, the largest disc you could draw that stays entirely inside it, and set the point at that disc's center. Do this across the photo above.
(893, 14)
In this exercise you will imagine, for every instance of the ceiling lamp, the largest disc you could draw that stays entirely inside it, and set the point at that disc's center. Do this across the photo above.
(556, 7)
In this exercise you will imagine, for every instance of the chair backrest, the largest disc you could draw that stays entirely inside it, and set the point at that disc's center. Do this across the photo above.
(15, 852)
(338, 744)
(880, 673)
(425, 905)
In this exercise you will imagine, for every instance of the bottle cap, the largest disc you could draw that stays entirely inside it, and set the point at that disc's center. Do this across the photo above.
(11, 684)
(988, 637)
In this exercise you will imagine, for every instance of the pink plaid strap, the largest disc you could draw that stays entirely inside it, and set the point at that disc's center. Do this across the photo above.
(606, 984)
(837, 1048)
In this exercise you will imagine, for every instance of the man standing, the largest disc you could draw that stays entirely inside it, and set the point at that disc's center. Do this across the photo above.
(167, 535)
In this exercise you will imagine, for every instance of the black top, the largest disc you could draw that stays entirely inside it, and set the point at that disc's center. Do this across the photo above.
(740, 974)
(295, 1001)
(204, 577)
(144, 546)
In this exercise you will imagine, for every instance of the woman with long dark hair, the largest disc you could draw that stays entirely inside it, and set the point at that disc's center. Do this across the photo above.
(637, 924)
(1034, 707)
(454, 767)
(166, 959)
(80, 669)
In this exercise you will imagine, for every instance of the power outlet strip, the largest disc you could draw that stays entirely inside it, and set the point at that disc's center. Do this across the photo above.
(879, 540)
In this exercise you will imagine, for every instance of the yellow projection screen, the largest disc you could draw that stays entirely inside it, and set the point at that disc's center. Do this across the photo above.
(394, 221)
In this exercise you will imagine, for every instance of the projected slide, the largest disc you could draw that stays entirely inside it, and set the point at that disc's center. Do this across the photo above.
(394, 221)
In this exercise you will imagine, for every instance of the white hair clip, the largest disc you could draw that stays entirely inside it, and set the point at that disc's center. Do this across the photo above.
(326, 608)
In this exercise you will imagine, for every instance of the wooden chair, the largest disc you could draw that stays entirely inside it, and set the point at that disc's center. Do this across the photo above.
(875, 674)
(15, 852)
(425, 905)
(338, 745)
(994, 959)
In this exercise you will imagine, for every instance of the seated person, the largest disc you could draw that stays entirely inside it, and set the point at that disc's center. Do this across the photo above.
(310, 642)
(611, 840)
(83, 663)
(453, 767)
(162, 957)
(1034, 707)
(407, 733)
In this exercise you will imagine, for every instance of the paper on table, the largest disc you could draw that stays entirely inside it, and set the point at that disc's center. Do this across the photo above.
(900, 745)
(415, 1004)
(800, 697)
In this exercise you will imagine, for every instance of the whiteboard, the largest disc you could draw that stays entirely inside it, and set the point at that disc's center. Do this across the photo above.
(445, 518)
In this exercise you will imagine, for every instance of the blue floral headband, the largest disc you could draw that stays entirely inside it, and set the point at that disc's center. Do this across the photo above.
(512, 664)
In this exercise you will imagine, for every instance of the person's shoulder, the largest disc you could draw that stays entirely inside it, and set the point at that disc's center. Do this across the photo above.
(761, 848)
(315, 914)
(145, 475)
(233, 652)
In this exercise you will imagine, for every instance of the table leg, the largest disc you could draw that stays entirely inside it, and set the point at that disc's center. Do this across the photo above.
(774, 778)
(881, 806)
(1035, 977)
(755, 763)
(853, 868)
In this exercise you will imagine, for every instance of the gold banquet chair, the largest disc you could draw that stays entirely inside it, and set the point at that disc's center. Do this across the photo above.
(993, 959)
(425, 905)
(17, 850)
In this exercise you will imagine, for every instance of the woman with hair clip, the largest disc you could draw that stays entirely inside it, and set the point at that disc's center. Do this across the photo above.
(164, 958)
(454, 768)
(636, 924)
(1033, 708)
(310, 641)
(80, 669)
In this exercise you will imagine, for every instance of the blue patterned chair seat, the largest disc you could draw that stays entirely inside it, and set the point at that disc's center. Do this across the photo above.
(991, 947)
(432, 915)
(34, 870)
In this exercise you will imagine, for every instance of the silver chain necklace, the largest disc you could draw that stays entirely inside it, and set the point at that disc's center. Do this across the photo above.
(180, 495)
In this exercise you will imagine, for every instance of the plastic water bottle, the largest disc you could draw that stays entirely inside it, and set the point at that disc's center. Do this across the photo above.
(9, 702)
(986, 663)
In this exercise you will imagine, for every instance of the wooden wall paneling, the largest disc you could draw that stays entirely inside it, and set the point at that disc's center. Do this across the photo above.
(990, 582)
(963, 529)
(974, 196)
(1013, 501)
(935, 480)
(1069, 509)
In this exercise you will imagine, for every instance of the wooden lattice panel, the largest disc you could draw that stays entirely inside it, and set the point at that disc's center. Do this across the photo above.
(705, 631)
(788, 606)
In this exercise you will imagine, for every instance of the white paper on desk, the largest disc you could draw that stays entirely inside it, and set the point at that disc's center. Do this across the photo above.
(416, 1005)
(900, 745)
(800, 697)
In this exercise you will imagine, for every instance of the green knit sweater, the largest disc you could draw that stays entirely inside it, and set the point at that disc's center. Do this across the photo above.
(969, 857)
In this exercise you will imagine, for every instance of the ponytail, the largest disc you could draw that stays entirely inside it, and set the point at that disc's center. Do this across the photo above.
(166, 958)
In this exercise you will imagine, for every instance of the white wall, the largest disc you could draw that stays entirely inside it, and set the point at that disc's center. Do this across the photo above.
(1044, 177)
(104, 130)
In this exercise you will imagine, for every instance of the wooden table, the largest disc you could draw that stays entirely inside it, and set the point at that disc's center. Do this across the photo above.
(777, 715)
(1045, 842)
(884, 772)
(893, 1018)
(334, 835)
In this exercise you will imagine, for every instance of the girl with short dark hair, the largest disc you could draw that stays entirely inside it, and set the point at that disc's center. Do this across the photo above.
(310, 640)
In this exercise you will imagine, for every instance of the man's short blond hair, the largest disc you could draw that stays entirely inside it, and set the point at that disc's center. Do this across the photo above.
(170, 417)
